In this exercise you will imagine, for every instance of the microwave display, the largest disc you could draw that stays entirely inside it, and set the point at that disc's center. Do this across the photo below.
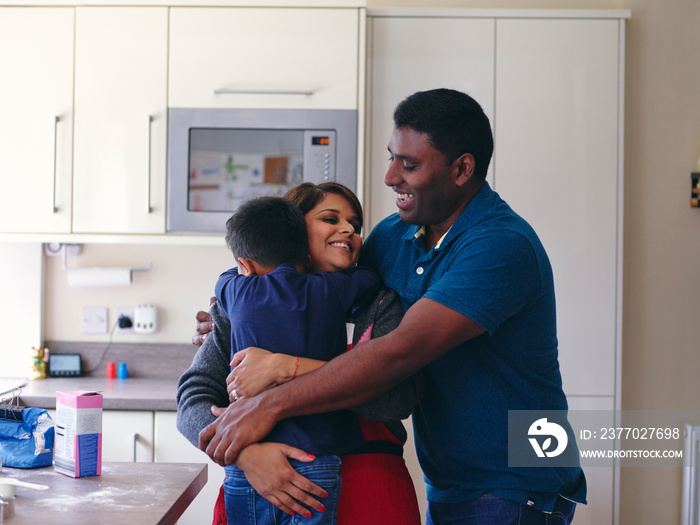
(218, 159)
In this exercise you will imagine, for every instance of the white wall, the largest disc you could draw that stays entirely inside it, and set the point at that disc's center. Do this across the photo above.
(21, 272)
(179, 284)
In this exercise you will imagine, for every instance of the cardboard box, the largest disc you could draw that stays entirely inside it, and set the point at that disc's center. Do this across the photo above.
(78, 433)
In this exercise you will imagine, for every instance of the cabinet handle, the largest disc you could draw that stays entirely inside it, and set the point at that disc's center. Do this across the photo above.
(135, 438)
(54, 209)
(233, 91)
(148, 178)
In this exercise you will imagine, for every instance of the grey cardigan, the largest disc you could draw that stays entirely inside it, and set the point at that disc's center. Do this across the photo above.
(204, 383)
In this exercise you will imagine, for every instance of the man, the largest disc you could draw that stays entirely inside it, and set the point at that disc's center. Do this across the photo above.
(480, 317)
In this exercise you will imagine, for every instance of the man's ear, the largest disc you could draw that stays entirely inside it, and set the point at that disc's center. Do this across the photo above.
(307, 267)
(246, 267)
(465, 165)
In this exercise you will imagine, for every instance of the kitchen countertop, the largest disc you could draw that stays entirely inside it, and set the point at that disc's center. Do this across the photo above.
(134, 493)
(137, 393)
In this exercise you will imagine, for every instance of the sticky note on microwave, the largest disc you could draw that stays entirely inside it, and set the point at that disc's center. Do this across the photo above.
(276, 169)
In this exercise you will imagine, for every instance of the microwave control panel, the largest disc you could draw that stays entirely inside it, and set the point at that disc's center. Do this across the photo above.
(319, 156)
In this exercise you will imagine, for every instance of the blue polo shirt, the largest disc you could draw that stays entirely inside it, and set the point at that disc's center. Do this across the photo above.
(492, 268)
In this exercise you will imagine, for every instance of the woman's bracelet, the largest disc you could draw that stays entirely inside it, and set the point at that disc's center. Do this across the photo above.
(296, 367)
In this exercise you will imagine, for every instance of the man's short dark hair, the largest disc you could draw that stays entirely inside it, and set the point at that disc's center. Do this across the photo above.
(454, 122)
(270, 231)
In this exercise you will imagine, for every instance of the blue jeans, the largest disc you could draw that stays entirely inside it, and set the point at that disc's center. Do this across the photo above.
(244, 506)
(491, 510)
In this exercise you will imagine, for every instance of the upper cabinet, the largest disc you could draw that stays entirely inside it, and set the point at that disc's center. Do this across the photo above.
(83, 133)
(558, 164)
(264, 58)
(552, 86)
(36, 128)
(459, 54)
(120, 120)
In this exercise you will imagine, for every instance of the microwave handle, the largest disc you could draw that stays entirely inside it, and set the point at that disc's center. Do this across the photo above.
(234, 91)
(148, 178)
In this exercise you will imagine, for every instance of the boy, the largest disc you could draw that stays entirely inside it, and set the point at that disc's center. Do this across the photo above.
(272, 303)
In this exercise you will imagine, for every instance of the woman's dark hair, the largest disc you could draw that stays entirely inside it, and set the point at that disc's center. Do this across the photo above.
(309, 195)
(454, 122)
(270, 231)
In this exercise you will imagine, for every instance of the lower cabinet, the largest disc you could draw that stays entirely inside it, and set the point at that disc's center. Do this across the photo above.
(127, 435)
(172, 447)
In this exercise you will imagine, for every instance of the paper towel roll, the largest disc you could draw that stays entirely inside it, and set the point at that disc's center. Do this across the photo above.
(97, 277)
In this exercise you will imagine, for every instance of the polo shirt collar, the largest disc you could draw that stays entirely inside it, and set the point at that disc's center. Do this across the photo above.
(472, 214)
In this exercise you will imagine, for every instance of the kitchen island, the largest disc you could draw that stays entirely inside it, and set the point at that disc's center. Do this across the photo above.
(134, 493)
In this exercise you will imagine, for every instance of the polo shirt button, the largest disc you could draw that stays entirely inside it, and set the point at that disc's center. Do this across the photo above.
(419, 270)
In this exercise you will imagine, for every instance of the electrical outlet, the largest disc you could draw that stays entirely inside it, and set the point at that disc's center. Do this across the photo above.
(125, 320)
(94, 320)
(145, 319)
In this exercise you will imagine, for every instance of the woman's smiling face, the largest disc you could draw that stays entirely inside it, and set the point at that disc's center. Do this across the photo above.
(334, 234)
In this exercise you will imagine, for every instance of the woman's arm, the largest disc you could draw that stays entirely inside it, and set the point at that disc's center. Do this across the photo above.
(203, 385)
(376, 319)
(255, 370)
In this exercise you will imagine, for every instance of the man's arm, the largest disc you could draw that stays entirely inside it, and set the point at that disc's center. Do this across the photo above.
(427, 331)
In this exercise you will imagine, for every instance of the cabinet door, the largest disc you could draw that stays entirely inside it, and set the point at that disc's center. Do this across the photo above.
(127, 435)
(556, 163)
(120, 120)
(36, 128)
(172, 447)
(459, 55)
(264, 58)
(601, 482)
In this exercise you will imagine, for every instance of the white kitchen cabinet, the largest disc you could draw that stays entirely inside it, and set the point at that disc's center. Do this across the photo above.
(601, 480)
(172, 447)
(459, 55)
(127, 435)
(552, 85)
(264, 58)
(557, 162)
(36, 128)
(120, 119)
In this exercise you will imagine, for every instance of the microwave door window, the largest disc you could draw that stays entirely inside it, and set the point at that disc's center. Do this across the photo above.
(230, 166)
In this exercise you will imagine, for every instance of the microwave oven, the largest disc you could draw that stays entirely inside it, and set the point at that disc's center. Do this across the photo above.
(219, 158)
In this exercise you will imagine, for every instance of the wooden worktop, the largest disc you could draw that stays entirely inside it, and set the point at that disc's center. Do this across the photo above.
(133, 493)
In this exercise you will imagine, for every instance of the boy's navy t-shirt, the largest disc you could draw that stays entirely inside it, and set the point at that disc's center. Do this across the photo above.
(294, 313)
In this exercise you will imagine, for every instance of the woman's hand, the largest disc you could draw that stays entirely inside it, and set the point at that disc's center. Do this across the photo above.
(256, 370)
(268, 471)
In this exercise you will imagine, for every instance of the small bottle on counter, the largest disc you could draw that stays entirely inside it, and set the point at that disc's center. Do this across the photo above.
(111, 370)
(122, 373)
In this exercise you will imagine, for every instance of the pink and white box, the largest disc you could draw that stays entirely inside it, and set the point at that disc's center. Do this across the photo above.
(78, 433)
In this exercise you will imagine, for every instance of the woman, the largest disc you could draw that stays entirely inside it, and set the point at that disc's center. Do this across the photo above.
(376, 486)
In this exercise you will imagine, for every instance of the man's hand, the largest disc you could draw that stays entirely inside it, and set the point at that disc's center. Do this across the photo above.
(241, 424)
(205, 324)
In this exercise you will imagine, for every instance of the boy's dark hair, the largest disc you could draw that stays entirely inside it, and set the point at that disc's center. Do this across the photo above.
(454, 122)
(270, 231)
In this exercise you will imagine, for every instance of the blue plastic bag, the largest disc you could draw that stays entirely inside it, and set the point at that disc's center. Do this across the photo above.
(27, 444)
